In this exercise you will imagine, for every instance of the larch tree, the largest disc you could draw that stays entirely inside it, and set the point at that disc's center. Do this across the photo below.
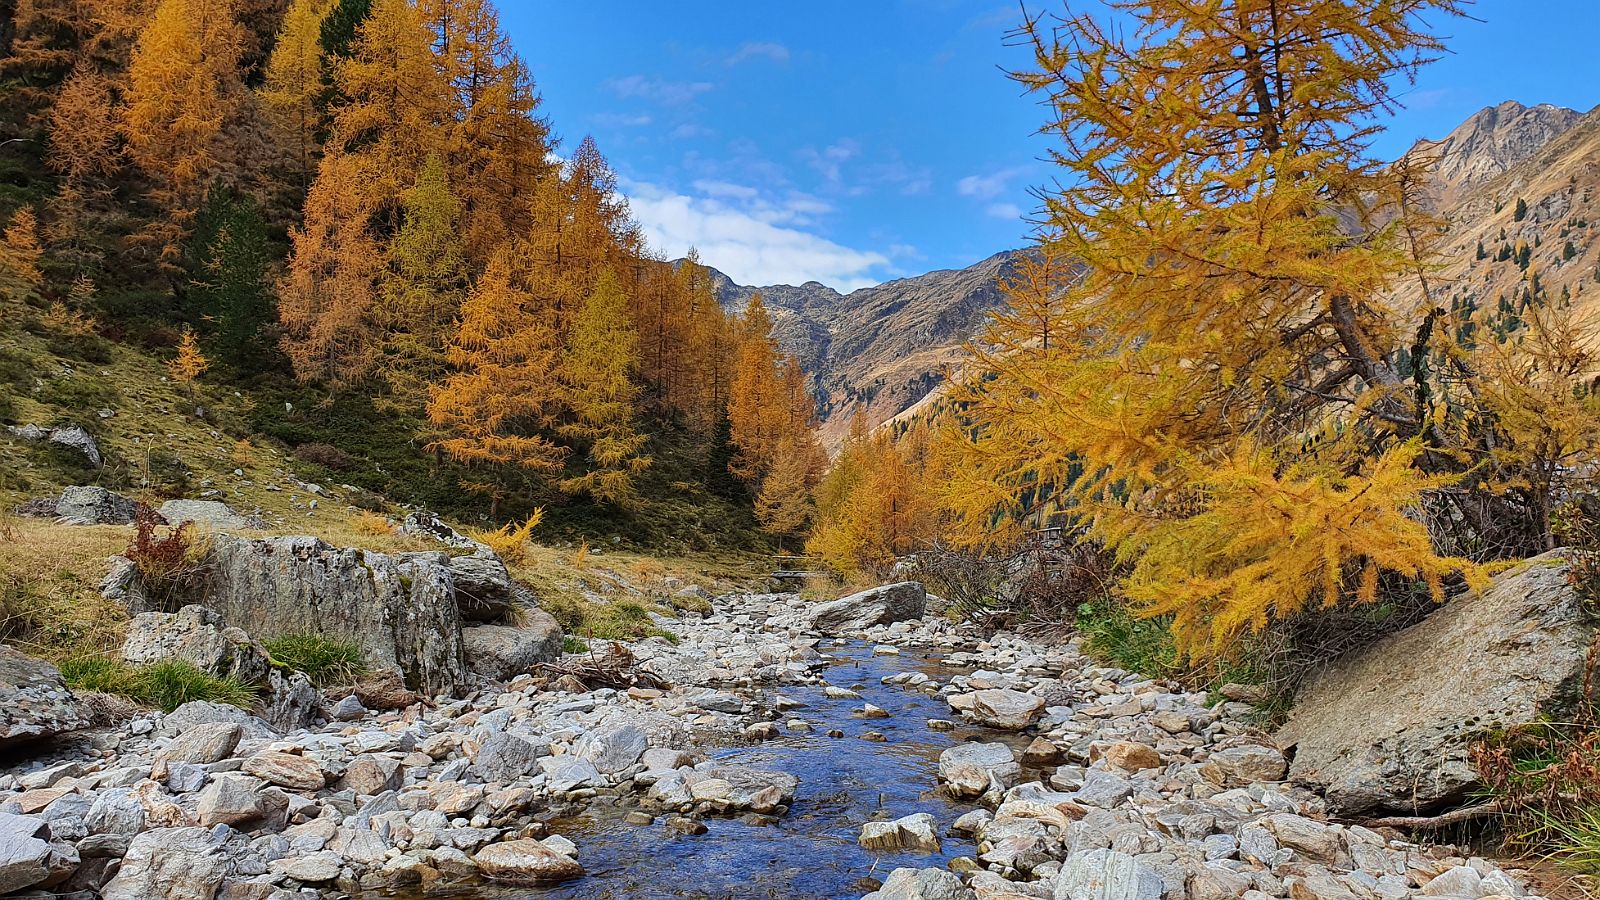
(503, 390)
(1214, 395)
(19, 257)
(388, 126)
(783, 505)
(422, 291)
(597, 371)
(757, 408)
(294, 85)
(190, 363)
(327, 299)
(183, 85)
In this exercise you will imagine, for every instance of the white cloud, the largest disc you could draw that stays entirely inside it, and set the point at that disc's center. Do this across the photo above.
(749, 237)
(658, 90)
(1003, 210)
(623, 120)
(985, 187)
(754, 50)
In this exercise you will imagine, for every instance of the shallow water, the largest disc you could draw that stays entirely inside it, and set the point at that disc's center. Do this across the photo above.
(811, 853)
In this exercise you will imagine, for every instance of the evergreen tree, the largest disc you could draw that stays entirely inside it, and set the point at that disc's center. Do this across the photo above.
(231, 287)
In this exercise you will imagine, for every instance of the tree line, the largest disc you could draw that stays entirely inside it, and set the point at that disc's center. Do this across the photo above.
(368, 191)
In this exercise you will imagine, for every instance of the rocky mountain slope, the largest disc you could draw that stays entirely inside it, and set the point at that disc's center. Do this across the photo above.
(881, 348)
(884, 348)
(1518, 192)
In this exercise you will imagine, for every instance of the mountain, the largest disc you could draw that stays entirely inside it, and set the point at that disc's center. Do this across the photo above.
(884, 348)
(1510, 177)
(881, 348)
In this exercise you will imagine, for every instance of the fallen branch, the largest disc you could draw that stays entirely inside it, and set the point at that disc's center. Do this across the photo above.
(1433, 823)
(618, 669)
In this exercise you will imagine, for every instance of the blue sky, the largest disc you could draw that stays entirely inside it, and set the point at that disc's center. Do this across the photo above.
(853, 141)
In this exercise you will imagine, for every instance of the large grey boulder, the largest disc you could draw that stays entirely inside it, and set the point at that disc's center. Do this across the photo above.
(75, 437)
(972, 769)
(484, 589)
(876, 606)
(502, 652)
(400, 610)
(922, 884)
(34, 701)
(1388, 727)
(90, 505)
(195, 713)
(24, 852)
(212, 514)
(197, 635)
(172, 863)
(1107, 875)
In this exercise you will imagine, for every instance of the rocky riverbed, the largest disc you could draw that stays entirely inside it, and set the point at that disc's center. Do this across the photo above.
(801, 751)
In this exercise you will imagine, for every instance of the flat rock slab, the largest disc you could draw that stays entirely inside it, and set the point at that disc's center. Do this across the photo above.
(876, 606)
(1387, 727)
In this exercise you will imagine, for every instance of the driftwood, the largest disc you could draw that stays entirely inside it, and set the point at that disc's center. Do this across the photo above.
(618, 669)
(1433, 823)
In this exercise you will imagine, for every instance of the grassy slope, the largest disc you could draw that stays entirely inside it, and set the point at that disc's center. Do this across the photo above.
(156, 448)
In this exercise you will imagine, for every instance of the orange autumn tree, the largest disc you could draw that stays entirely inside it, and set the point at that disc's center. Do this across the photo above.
(294, 83)
(877, 502)
(756, 397)
(1216, 397)
(183, 86)
(504, 388)
(19, 257)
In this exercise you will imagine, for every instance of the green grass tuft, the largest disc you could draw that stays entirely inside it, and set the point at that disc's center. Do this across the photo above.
(325, 661)
(166, 685)
(172, 683)
(573, 644)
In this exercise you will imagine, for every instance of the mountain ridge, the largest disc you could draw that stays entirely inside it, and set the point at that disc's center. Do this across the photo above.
(884, 348)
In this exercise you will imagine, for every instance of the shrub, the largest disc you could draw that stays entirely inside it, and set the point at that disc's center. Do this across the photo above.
(510, 542)
(169, 564)
(324, 455)
(373, 524)
(324, 660)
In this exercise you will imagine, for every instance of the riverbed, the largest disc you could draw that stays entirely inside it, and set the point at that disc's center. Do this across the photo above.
(811, 853)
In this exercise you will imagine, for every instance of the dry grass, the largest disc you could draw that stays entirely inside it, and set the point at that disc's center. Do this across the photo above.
(50, 603)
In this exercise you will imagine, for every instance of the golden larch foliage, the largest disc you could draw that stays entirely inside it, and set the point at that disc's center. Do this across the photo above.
(504, 388)
(1199, 366)
(597, 372)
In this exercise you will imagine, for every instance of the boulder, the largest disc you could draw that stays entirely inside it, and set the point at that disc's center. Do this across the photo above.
(91, 505)
(1244, 765)
(1006, 709)
(74, 437)
(24, 852)
(501, 652)
(922, 884)
(429, 526)
(613, 746)
(1387, 727)
(400, 609)
(971, 769)
(213, 515)
(526, 862)
(484, 590)
(203, 744)
(34, 701)
(877, 606)
(1107, 875)
(291, 702)
(505, 757)
(203, 712)
(197, 635)
(171, 863)
(914, 832)
(298, 773)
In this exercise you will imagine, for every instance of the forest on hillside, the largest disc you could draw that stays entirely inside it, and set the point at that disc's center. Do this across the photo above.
(354, 211)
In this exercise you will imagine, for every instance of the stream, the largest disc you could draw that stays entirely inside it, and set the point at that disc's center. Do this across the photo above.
(810, 853)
